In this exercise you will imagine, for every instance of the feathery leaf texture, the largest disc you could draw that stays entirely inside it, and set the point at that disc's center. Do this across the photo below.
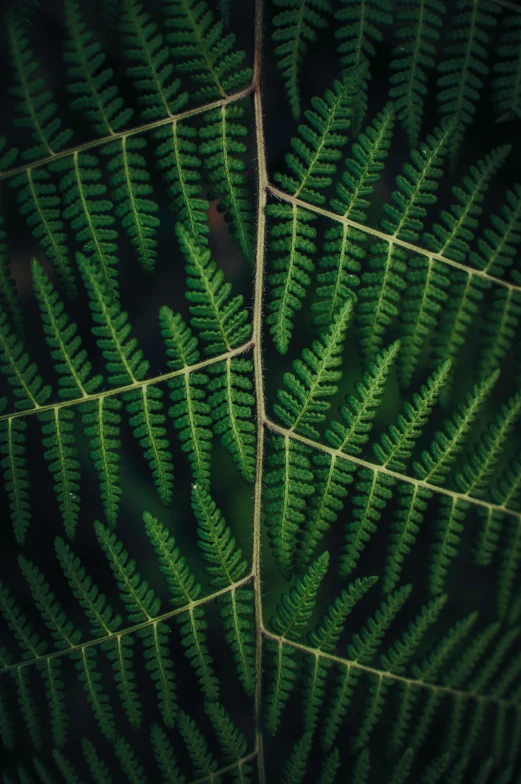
(372, 445)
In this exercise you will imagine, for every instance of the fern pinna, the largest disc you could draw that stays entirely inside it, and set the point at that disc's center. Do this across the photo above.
(260, 296)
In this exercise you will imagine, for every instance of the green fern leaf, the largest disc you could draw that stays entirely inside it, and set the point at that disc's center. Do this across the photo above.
(143, 607)
(325, 638)
(190, 412)
(184, 591)
(41, 205)
(203, 761)
(203, 51)
(89, 212)
(413, 58)
(358, 31)
(103, 623)
(223, 154)
(165, 755)
(37, 109)
(311, 165)
(293, 613)
(382, 286)
(226, 566)
(232, 741)
(22, 374)
(295, 27)
(506, 84)
(131, 186)
(13, 436)
(463, 70)
(152, 73)
(295, 766)
(343, 243)
(301, 405)
(96, 98)
(361, 650)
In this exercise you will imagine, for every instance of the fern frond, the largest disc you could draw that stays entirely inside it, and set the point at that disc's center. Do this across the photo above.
(475, 476)
(293, 613)
(220, 320)
(89, 212)
(331, 475)
(142, 605)
(396, 445)
(128, 760)
(190, 412)
(126, 366)
(405, 526)
(499, 331)
(152, 73)
(289, 481)
(36, 105)
(203, 761)
(41, 205)
(225, 565)
(413, 58)
(32, 647)
(184, 589)
(506, 82)
(97, 98)
(449, 440)
(178, 159)
(295, 28)
(203, 51)
(164, 755)
(427, 671)
(66, 637)
(325, 638)
(231, 740)
(131, 188)
(101, 426)
(22, 374)
(71, 363)
(61, 456)
(223, 155)
(497, 248)
(361, 650)
(103, 623)
(463, 70)
(301, 406)
(358, 31)
(394, 661)
(382, 286)
(312, 165)
(343, 244)
(295, 766)
(9, 299)
(13, 435)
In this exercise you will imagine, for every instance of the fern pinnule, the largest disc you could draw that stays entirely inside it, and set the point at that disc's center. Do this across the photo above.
(293, 613)
(223, 154)
(97, 98)
(29, 390)
(36, 107)
(89, 212)
(231, 739)
(332, 475)
(203, 761)
(41, 205)
(184, 590)
(463, 70)
(13, 448)
(143, 606)
(325, 638)
(296, 764)
(190, 413)
(506, 82)
(359, 30)
(362, 649)
(152, 73)
(296, 27)
(203, 51)
(130, 182)
(337, 276)
(382, 286)
(225, 566)
(164, 755)
(413, 58)
(8, 295)
(312, 163)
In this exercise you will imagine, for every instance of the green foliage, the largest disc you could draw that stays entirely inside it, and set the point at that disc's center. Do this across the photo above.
(306, 567)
